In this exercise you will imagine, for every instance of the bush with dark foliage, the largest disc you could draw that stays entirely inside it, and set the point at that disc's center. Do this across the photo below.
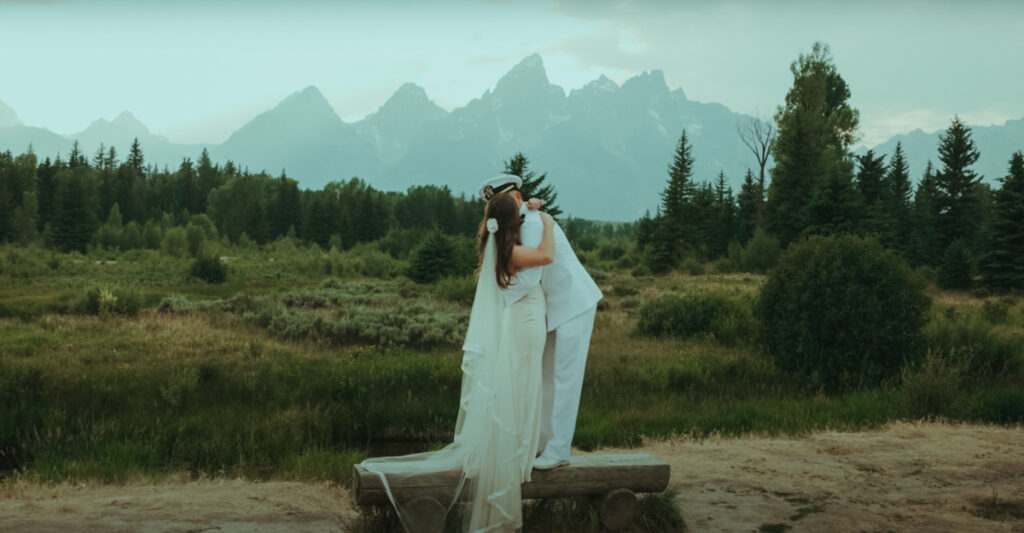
(843, 310)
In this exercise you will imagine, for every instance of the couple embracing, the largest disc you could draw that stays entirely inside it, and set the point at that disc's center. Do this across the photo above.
(523, 361)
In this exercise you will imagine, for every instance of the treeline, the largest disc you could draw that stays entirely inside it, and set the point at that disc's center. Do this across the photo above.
(951, 221)
(75, 203)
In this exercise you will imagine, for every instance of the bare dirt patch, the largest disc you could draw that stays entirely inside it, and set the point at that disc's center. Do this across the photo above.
(904, 477)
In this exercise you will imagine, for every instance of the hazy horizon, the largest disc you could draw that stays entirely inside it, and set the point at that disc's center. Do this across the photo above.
(196, 72)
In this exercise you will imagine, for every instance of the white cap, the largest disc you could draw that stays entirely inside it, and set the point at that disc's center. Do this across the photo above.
(498, 185)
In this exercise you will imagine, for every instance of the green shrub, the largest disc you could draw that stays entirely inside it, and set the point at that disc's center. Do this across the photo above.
(641, 271)
(209, 268)
(931, 389)
(625, 262)
(700, 313)
(957, 267)
(434, 258)
(18, 262)
(194, 237)
(966, 332)
(610, 251)
(151, 237)
(761, 253)
(181, 383)
(995, 312)
(460, 290)
(175, 242)
(843, 309)
(692, 266)
(106, 301)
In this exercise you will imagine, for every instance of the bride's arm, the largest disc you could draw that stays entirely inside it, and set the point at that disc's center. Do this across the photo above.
(544, 254)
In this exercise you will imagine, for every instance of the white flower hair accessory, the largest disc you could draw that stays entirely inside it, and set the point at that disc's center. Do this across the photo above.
(492, 225)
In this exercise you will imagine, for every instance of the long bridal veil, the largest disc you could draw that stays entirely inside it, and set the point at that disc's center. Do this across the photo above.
(486, 448)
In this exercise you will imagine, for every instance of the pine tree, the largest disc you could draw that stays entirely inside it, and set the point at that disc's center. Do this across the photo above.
(957, 205)
(433, 259)
(1003, 266)
(26, 220)
(704, 213)
(187, 187)
(898, 204)
(926, 219)
(726, 220)
(285, 211)
(816, 128)
(836, 206)
(208, 179)
(644, 230)
(135, 159)
(677, 200)
(748, 201)
(46, 185)
(75, 158)
(75, 217)
(662, 256)
(869, 177)
(533, 185)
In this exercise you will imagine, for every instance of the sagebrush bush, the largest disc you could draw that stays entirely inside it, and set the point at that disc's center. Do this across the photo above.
(991, 354)
(995, 312)
(691, 265)
(209, 268)
(109, 300)
(700, 313)
(18, 262)
(844, 309)
(460, 290)
(931, 388)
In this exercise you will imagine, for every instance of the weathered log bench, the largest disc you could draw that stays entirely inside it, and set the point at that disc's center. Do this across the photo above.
(612, 480)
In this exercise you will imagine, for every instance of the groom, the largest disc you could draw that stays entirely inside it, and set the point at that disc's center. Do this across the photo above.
(571, 297)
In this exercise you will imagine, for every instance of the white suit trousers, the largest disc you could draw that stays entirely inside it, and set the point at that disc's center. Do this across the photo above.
(565, 359)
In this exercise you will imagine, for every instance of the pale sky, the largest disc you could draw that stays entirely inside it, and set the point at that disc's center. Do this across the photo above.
(197, 70)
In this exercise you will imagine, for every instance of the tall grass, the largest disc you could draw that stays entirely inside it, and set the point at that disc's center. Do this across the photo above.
(299, 377)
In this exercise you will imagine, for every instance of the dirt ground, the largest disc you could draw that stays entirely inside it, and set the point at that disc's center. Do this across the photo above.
(906, 477)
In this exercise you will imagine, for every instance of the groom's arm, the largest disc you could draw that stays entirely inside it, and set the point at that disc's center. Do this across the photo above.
(531, 232)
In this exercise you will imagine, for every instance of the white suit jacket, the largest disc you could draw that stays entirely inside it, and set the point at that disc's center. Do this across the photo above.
(568, 288)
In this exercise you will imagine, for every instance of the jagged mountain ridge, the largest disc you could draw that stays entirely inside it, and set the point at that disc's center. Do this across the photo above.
(606, 148)
(995, 143)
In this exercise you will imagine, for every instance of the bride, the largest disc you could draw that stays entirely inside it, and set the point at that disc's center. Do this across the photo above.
(499, 422)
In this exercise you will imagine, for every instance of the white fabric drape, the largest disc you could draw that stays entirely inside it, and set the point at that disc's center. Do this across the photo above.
(497, 429)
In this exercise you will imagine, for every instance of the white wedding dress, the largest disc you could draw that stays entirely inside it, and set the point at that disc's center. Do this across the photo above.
(499, 421)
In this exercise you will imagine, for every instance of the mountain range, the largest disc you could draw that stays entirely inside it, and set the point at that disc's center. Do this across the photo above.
(606, 148)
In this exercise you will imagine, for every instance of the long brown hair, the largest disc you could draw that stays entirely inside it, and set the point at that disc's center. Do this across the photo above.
(505, 210)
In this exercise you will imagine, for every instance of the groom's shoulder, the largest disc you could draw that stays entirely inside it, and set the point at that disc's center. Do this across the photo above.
(531, 217)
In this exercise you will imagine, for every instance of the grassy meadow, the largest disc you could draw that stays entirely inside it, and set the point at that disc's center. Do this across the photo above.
(120, 365)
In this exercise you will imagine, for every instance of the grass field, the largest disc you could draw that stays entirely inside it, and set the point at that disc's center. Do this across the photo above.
(119, 365)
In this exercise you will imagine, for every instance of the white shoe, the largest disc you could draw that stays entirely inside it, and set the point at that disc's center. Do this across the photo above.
(547, 463)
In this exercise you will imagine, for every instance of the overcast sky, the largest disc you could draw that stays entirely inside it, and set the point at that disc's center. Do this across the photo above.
(197, 70)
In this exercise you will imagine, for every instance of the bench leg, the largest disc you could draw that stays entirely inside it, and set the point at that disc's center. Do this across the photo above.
(427, 511)
(618, 508)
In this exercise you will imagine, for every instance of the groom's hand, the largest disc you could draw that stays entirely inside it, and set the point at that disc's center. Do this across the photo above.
(534, 204)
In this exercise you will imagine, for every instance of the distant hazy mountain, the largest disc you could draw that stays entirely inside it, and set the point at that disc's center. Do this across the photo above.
(995, 143)
(304, 136)
(118, 133)
(399, 122)
(8, 117)
(606, 148)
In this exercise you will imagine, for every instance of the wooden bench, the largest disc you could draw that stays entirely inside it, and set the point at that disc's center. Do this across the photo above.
(613, 481)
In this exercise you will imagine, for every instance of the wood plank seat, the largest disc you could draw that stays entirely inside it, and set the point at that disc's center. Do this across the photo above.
(613, 480)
